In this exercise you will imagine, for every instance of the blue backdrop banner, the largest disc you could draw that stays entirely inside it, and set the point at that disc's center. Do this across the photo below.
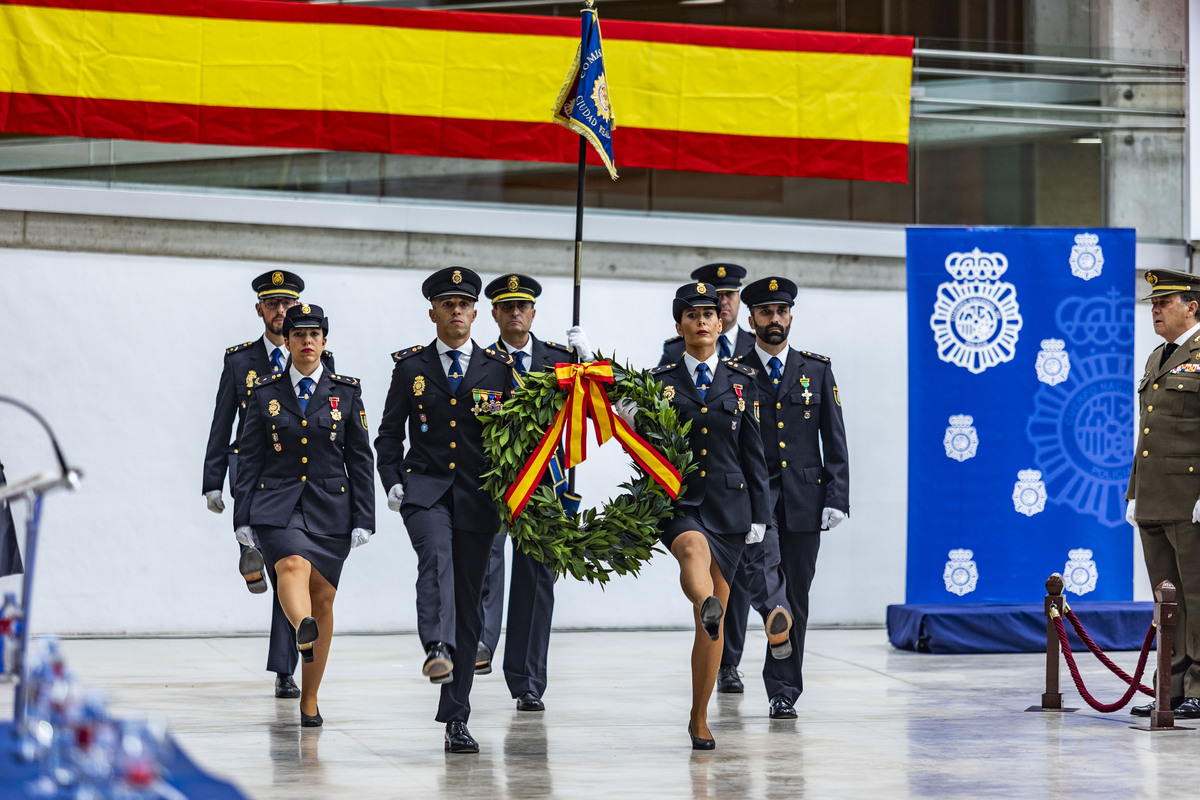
(1021, 403)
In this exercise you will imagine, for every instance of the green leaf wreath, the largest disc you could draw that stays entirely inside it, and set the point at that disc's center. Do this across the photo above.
(619, 538)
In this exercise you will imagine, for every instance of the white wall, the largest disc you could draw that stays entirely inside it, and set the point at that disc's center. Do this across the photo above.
(122, 355)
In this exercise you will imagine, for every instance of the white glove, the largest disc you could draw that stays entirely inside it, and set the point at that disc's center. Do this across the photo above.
(359, 536)
(1196, 512)
(757, 531)
(1130, 516)
(215, 503)
(578, 341)
(831, 518)
(395, 497)
(245, 535)
(626, 409)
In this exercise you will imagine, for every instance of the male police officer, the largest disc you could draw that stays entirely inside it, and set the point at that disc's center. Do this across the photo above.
(805, 444)
(438, 391)
(1164, 484)
(277, 290)
(531, 594)
(732, 341)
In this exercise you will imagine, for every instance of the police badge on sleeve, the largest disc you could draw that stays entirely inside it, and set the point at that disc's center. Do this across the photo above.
(976, 318)
(960, 574)
(961, 439)
(1079, 573)
(1029, 493)
(1053, 364)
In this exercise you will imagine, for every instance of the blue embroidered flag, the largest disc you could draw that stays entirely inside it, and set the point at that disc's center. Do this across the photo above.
(583, 104)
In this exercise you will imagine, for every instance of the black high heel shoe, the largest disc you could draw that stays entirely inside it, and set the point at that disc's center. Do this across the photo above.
(306, 634)
(311, 722)
(711, 612)
(699, 743)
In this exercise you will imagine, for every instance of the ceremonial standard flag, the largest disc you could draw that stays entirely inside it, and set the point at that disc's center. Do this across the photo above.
(459, 85)
(583, 104)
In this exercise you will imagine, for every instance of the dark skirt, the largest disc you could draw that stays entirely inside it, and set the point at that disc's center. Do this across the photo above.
(726, 548)
(326, 553)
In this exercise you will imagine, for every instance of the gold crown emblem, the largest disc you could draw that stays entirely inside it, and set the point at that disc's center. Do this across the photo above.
(773, 285)
(456, 278)
(1151, 278)
(700, 288)
(277, 279)
(720, 272)
(513, 283)
(304, 309)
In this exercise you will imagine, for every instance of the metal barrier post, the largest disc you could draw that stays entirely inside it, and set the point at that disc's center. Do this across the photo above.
(1052, 699)
(1165, 616)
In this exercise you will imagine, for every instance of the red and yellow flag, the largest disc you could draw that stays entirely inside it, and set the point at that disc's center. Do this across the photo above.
(462, 85)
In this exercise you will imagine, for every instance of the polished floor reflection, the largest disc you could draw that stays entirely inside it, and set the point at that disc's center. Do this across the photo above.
(874, 723)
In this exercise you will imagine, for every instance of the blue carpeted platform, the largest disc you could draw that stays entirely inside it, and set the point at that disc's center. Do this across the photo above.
(1012, 627)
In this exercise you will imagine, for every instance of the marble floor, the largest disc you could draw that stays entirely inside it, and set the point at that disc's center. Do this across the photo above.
(874, 723)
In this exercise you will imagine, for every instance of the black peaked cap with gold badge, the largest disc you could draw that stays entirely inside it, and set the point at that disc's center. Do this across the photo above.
(694, 295)
(769, 291)
(458, 281)
(1165, 281)
(513, 286)
(304, 315)
(726, 277)
(278, 283)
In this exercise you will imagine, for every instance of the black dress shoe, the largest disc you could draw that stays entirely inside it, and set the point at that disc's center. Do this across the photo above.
(710, 616)
(529, 701)
(285, 687)
(1144, 711)
(729, 681)
(782, 708)
(458, 739)
(1188, 709)
(699, 743)
(483, 660)
(311, 722)
(252, 568)
(779, 625)
(438, 665)
(306, 634)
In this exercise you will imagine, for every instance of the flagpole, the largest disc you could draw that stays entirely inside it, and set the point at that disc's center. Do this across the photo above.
(579, 184)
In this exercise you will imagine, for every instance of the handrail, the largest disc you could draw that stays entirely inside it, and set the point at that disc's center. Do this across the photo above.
(1141, 80)
(1050, 123)
(976, 55)
(1073, 109)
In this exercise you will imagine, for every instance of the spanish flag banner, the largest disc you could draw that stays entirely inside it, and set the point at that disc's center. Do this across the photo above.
(583, 105)
(461, 85)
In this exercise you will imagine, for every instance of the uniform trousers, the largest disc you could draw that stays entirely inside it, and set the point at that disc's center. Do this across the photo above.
(759, 582)
(1172, 552)
(468, 561)
(798, 560)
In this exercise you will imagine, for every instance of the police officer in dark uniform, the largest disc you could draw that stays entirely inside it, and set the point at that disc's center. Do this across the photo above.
(732, 340)
(531, 594)
(437, 392)
(303, 485)
(725, 502)
(10, 553)
(805, 444)
(277, 290)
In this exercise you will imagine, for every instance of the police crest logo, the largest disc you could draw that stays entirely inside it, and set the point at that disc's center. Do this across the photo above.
(273, 408)
(773, 285)
(251, 377)
(1029, 492)
(1079, 573)
(304, 309)
(960, 574)
(456, 278)
(1087, 257)
(976, 319)
(513, 283)
(1053, 363)
(721, 272)
(961, 440)
(700, 288)
(419, 386)
(277, 279)
(600, 98)
(668, 393)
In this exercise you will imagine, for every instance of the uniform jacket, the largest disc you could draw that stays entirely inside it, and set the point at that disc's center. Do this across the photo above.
(730, 488)
(673, 347)
(545, 354)
(1165, 479)
(446, 448)
(244, 364)
(322, 457)
(804, 438)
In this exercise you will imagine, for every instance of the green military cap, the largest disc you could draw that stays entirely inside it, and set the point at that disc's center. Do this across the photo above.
(1165, 281)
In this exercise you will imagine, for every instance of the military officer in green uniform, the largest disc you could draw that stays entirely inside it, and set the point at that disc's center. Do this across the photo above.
(1164, 484)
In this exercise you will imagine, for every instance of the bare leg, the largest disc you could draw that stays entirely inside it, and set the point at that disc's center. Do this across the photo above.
(322, 593)
(701, 577)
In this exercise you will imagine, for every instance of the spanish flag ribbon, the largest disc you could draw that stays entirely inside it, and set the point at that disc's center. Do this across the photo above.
(587, 399)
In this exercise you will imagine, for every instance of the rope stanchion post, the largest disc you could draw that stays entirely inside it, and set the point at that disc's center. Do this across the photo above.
(1166, 612)
(1055, 605)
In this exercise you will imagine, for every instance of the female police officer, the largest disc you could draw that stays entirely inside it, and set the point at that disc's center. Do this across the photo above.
(725, 502)
(304, 487)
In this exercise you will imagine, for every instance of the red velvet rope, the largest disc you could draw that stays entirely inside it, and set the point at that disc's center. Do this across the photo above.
(1083, 692)
(1099, 654)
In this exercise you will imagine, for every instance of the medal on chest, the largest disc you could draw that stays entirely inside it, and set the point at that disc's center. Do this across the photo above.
(486, 402)
(805, 381)
(334, 413)
(737, 389)
(418, 386)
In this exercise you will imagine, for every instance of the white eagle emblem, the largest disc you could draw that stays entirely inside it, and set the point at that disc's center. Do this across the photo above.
(1079, 574)
(976, 318)
(1087, 257)
(1053, 363)
(961, 439)
(1029, 493)
(960, 574)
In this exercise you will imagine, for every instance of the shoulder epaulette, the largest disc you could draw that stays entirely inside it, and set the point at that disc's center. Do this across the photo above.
(673, 340)
(328, 354)
(346, 379)
(238, 347)
(501, 356)
(817, 356)
(556, 346)
(400, 355)
(737, 366)
(662, 369)
(264, 380)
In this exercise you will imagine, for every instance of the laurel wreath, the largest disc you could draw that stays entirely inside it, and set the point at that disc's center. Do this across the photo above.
(622, 536)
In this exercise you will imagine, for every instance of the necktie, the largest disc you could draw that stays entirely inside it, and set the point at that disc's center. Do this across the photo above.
(306, 388)
(455, 375)
(1168, 349)
(702, 379)
(520, 357)
(723, 346)
(276, 360)
(776, 373)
